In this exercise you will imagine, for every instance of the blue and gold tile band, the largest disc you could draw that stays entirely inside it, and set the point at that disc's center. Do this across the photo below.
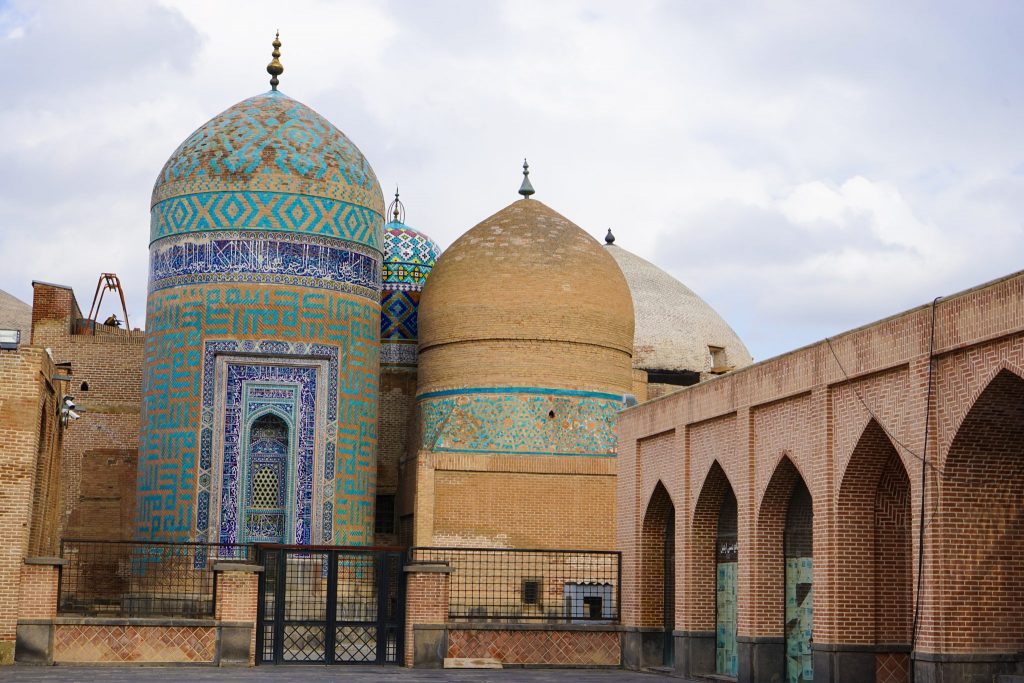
(248, 257)
(266, 212)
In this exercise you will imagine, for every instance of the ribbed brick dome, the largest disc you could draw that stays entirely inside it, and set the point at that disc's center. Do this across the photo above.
(526, 298)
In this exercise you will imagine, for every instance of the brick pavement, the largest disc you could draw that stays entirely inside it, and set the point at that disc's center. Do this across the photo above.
(319, 674)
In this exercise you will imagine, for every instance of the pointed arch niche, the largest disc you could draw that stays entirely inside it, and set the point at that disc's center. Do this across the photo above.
(713, 576)
(982, 522)
(783, 594)
(874, 562)
(657, 568)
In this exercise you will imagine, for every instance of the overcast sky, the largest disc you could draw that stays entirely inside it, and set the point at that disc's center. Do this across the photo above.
(805, 167)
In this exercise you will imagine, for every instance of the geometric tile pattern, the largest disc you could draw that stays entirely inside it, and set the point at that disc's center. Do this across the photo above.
(178, 389)
(134, 644)
(892, 667)
(265, 212)
(317, 262)
(519, 421)
(399, 315)
(409, 255)
(563, 648)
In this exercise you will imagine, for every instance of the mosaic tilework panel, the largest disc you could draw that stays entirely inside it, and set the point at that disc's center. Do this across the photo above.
(409, 255)
(799, 618)
(565, 648)
(320, 263)
(523, 421)
(257, 319)
(270, 142)
(399, 315)
(238, 405)
(84, 644)
(398, 352)
(265, 211)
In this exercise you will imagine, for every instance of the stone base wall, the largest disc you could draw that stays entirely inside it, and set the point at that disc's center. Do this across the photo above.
(129, 642)
(540, 647)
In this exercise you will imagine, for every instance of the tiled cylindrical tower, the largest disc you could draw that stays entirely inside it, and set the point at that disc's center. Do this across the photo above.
(262, 353)
(409, 256)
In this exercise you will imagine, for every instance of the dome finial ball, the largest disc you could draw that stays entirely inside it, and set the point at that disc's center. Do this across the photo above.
(526, 189)
(275, 68)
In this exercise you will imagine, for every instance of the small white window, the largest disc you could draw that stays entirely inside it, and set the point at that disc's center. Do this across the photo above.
(719, 362)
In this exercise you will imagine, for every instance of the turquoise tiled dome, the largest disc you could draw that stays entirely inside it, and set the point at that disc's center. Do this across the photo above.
(409, 255)
(269, 163)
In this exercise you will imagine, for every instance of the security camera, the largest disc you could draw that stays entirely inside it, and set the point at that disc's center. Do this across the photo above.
(69, 404)
(73, 415)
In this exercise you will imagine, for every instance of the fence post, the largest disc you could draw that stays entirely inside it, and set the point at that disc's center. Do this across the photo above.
(37, 609)
(237, 592)
(426, 611)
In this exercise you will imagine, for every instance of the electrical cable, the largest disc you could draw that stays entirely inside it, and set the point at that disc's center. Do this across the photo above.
(924, 482)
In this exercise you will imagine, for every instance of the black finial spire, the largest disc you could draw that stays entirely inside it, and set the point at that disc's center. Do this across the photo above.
(609, 238)
(526, 189)
(275, 68)
(397, 208)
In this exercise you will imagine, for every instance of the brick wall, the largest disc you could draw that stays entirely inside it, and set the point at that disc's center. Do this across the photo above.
(847, 419)
(426, 602)
(39, 587)
(467, 500)
(237, 596)
(29, 438)
(100, 450)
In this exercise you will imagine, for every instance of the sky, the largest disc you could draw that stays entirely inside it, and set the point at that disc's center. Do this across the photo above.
(805, 167)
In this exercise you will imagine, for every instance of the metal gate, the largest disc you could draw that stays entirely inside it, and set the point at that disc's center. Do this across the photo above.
(330, 605)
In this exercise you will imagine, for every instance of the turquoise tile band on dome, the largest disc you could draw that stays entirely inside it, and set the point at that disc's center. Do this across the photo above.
(266, 211)
(522, 421)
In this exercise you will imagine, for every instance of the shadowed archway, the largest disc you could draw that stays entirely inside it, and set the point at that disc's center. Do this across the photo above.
(657, 568)
(982, 518)
(713, 577)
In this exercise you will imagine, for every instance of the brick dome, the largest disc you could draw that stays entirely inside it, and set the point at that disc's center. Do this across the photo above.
(675, 328)
(526, 299)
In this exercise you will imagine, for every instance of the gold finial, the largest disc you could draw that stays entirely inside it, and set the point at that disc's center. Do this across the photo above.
(274, 68)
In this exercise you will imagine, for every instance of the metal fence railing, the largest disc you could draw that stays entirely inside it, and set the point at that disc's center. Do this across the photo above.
(136, 579)
(488, 584)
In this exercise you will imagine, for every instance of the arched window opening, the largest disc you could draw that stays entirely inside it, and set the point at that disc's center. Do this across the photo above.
(799, 582)
(266, 485)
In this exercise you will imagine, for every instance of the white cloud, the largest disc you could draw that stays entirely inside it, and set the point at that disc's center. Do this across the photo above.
(806, 168)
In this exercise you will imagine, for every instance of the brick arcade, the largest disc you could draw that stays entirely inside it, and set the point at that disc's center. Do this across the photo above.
(835, 433)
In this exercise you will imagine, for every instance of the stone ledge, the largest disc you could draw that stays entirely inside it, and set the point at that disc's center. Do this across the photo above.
(46, 561)
(494, 626)
(238, 567)
(881, 647)
(968, 657)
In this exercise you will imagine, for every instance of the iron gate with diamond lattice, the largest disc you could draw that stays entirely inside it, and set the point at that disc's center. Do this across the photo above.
(330, 605)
